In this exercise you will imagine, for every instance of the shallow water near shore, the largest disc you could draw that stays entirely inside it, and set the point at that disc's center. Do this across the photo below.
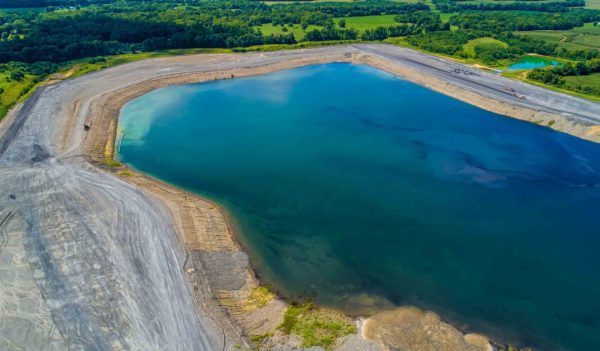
(368, 190)
(531, 62)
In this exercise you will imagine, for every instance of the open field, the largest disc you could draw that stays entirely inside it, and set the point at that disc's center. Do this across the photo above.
(469, 48)
(588, 28)
(589, 80)
(592, 4)
(445, 17)
(585, 37)
(362, 23)
(269, 28)
(13, 90)
(112, 253)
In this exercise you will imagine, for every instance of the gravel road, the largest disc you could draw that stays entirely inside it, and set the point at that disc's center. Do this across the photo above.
(104, 256)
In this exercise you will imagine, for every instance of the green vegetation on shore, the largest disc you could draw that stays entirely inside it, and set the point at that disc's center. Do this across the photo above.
(316, 326)
(581, 77)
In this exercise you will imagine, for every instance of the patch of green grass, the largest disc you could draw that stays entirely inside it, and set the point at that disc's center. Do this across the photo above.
(260, 296)
(269, 28)
(445, 17)
(13, 91)
(588, 28)
(259, 339)
(362, 23)
(112, 163)
(316, 326)
(125, 173)
(397, 41)
(590, 79)
(469, 48)
(592, 4)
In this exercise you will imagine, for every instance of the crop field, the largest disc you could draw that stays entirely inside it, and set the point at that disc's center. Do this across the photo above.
(586, 37)
(363, 23)
(588, 80)
(588, 28)
(592, 4)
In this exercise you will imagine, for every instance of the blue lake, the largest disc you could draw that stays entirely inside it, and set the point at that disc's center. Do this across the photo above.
(367, 190)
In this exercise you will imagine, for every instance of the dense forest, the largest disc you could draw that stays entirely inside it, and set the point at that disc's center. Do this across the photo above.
(449, 6)
(63, 35)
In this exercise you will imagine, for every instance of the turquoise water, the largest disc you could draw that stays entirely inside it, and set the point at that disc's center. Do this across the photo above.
(366, 190)
(531, 62)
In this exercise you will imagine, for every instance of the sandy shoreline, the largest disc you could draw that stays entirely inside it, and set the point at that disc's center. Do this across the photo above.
(210, 245)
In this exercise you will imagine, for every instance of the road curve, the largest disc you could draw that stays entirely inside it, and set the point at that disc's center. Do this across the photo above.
(103, 255)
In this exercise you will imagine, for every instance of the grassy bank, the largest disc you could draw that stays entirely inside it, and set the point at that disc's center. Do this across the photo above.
(316, 326)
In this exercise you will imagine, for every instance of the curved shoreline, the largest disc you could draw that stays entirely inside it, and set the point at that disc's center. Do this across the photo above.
(234, 307)
(174, 195)
(207, 239)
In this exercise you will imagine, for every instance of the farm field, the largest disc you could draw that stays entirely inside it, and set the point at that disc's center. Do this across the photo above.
(585, 37)
(362, 23)
(592, 4)
(588, 80)
(588, 28)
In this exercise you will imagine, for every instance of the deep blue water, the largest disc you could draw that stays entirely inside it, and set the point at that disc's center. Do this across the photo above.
(369, 190)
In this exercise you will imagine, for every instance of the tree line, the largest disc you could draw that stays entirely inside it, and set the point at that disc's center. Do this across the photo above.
(131, 26)
(515, 21)
(449, 6)
(555, 76)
